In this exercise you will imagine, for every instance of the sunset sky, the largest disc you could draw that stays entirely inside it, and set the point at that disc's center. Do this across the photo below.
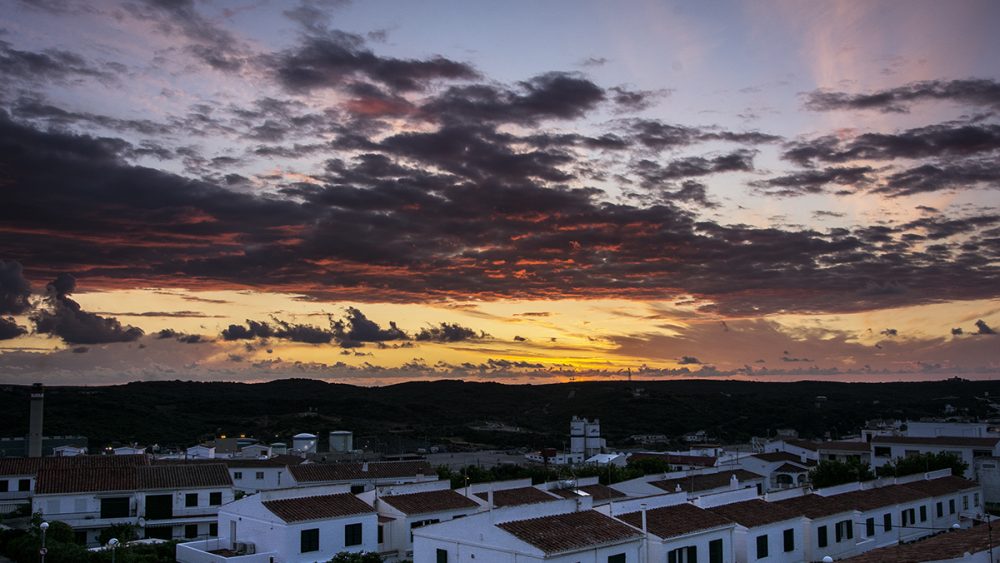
(371, 192)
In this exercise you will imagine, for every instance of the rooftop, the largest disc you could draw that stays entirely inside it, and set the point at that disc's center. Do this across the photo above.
(942, 547)
(754, 512)
(676, 459)
(429, 501)
(677, 520)
(845, 446)
(938, 441)
(942, 485)
(571, 531)
(598, 492)
(520, 495)
(318, 507)
(693, 483)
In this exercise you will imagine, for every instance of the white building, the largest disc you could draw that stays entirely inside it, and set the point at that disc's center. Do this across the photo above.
(68, 451)
(256, 451)
(362, 476)
(200, 451)
(403, 509)
(129, 450)
(585, 437)
(17, 482)
(889, 448)
(780, 470)
(253, 475)
(560, 535)
(684, 533)
(302, 525)
(845, 451)
(169, 501)
(764, 532)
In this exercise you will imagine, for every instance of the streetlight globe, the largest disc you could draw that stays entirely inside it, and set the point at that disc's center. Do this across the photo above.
(955, 526)
(828, 559)
(44, 525)
(113, 542)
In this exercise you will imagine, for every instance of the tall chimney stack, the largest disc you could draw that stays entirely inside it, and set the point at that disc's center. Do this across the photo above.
(35, 423)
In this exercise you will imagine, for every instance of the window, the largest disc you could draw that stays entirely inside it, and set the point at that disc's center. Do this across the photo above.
(870, 527)
(951, 506)
(442, 556)
(965, 502)
(821, 536)
(116, 507)
(357, 489)
(908, 517)
(844, 530)
(715, 551)
(883, 451)
(981, 453)
(940, 509)
(887, 523)
(4, 486)
(923, 513)
(681, 555)
(214, 499)
(352, 534)
(309, 540)
(617, 558)
(237, 475)
(213, 529)
(260, 475)
(24, 485)
(789, 537)
(381, 534)
(191, 499)
(191, 531)
(911, 453)
(975, 499)
(762, 546)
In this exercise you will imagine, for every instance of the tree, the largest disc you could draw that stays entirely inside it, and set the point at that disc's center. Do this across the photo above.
(921, 463)
(121, 532)
(353, 557)
(829, 473)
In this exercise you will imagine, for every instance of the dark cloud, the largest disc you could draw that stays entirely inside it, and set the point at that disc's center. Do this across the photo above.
(554, 95)
(14, 289)
(448, 332)
(210, 43)
(804, 182)
(179, 336)
(278, 329)
(357, 328)
(655, 134)
(64, 318)
(10, 329)
(983, 328)
(950, 175)
(972, 92)
(957, 331)
(654, 174)
(52, 65)
(688, 360)
(252, 330)
(948, 139)
(627, 100)
(519, 338)
(334, 58)
(890, 332)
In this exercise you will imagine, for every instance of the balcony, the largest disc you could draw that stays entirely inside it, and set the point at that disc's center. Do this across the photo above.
(217, 551)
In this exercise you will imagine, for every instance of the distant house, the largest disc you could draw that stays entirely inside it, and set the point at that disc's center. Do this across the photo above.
(683, 533)
(255, 451)
(253, 475)
(130, 450)
(362, 476)
(299, 525)
(710, 483)
(17, 482)
(781, 470)
(403, 512)
(200, 451)
(764, 532)
(68, 451)
(844, 451)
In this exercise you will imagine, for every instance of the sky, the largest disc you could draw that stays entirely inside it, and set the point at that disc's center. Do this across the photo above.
(374, 192)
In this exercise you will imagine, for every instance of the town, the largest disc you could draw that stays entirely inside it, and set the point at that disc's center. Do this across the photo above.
(900, 490)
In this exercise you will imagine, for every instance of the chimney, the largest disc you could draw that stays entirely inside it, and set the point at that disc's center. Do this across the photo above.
(35, 422)
(364, 467)
(643, 508)
(734, 483)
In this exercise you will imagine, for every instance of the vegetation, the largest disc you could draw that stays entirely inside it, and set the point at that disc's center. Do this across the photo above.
(23, 547)
(420, 414)
(829, 473)
(923, 463)
(606, 475)
(121, 532)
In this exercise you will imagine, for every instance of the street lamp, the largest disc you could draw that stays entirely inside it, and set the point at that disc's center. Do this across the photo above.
(113, 544)
(828, 559)
(42, 550)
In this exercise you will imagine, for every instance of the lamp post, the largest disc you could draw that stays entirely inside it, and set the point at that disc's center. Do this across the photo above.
(113, 544)
(43, 550)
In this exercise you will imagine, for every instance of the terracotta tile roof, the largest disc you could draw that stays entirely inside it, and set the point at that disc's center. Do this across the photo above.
(318, 472)
(84, 461)
(804, 444)
(571, 532)
(694, 483)
(598, 492)
(93, 478)
(677, 459)
(777, 456)
(938, 441)
(85, 480)
(520, 495)
(844, 446)
(941, 486)
(789, 468)
(942, 547)
(237, 463)
(19, 465)
(870, 499)
(677, 520)
(183, 476)
(815, 506)
(323, 507)
(754, 512)
(286, 459)
(429, 501)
